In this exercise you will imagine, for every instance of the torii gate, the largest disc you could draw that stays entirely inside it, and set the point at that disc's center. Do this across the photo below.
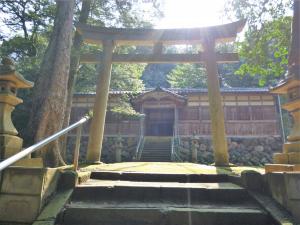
(207, 37)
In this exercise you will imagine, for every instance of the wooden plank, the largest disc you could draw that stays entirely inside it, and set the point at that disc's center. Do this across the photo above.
(163, 58)
(220, 33)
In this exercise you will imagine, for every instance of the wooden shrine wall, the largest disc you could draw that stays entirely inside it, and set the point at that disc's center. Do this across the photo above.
(246, 115)
(83, 104)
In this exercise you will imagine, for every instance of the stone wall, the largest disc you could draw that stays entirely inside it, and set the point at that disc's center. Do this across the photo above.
(108, 151)
(243, 151)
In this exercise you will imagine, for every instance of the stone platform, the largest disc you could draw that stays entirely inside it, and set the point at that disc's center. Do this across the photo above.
(147, 193)
(169, 168)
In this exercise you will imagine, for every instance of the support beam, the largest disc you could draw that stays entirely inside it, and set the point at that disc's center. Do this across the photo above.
(100, 105)
(159, 58)
(219, 140)
(129, 36)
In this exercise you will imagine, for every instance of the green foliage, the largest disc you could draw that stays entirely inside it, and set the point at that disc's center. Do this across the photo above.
(155, 75)
(187, 76)
(127, 77)
(230, 79)
(26, 16)
(257, 12)
(264, 49)
(122, 110)
(26, 27)
(125, 13)
(123, 77)
(17, 48)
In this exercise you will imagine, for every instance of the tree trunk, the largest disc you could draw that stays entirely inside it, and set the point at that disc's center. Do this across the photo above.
(74, 65)
(50, 93)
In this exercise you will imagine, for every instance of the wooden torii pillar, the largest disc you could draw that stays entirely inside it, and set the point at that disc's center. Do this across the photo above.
(207, 37)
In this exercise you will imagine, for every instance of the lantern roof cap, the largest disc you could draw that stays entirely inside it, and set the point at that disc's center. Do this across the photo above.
(8, 73)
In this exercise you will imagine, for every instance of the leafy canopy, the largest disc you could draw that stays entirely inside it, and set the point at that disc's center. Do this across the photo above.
(264, 49)
(187, 76)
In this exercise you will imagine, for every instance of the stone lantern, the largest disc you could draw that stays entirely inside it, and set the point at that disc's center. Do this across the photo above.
(10, 82)
(290, 87)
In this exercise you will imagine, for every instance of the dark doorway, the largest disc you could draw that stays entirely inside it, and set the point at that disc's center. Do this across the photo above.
(159, 122)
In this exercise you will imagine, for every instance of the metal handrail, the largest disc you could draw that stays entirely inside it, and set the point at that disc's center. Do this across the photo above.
(139, 145)
(172, 146)
(13, 159)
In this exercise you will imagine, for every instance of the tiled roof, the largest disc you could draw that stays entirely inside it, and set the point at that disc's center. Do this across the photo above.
(183, 91)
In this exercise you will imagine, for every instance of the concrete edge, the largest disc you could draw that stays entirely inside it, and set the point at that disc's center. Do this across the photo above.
(83, 176)
(277, 212)
(52, 209)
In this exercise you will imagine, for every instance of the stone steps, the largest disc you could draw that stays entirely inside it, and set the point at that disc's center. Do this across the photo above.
(144, 199)
(131, 198)
(212, 215)
(164, 192)
(159, 177)
(156, 149)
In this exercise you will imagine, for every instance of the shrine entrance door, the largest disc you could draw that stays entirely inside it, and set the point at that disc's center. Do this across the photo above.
(159, 122)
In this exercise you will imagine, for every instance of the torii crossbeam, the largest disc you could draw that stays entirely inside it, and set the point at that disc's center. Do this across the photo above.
(208, 37)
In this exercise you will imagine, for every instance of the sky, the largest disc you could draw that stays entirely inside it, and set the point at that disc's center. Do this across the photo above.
(191, 13)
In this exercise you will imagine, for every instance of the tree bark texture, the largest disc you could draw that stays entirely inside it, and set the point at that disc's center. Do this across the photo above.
(74, 65)
(75, 58)
(50, 93)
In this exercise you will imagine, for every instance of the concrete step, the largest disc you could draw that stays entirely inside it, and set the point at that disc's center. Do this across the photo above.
(158, 151)
(155, 160)
(211, 214)
(132, 198)
(152, 177)
(154, 144)
(160, 157)
(163, 192)
(156, 155)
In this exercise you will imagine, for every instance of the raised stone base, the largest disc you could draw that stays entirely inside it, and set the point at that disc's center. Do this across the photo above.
(31, 163)
(24, 192)
(287, 158)
(284, 188)
(291, 147)
(280, 158)
(294, 157)
(270, 168)
(9, 145)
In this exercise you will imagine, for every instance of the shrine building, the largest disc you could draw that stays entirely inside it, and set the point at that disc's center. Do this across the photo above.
(249, 112)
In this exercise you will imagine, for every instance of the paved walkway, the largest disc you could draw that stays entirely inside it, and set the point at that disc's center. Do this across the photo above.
(169, 168)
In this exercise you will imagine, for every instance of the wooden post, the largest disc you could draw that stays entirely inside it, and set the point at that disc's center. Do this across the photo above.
(77, 148)
(175, 127)
(142, 123)
(99, 110)
(219, 140)
(118, 149)
(194, 157)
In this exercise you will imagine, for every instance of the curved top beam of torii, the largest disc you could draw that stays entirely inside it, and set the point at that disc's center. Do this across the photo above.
(141, 36)
(207, 37)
